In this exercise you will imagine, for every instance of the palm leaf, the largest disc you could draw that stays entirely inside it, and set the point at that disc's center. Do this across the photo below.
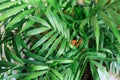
(12, 12)
(95, 25)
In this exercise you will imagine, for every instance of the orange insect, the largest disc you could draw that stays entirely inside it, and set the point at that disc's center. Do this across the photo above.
(76, 42)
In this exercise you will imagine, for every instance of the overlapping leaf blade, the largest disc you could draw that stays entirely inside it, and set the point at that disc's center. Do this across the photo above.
(43, 39)
(19, 18)
(7, 5)
(37, 31)
(54, 46)
(34, 75)
(36, 41)
(112, 26)
(12, 12)
(48, 43)
(95, 25)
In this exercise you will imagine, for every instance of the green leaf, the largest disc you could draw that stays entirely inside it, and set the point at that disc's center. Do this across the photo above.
(62, 48)
(114, 15)
(106, 50)
(12, 12)
(37, 31)
(43, 39)
(52, 3)
(17, 76)
(7, 64)
(50, 18)
(54, 46)
(1, 1)
(36, 68)
(34, 75)
(77, 74)
(39, 20)
(12, 55)
(112, 26)
(82, 25)
(115, 2)
(23, 44)
(57, 74)
(56, 22)
(74, 67)
(48, 77)
(48, 43)
(69, 75)
(60, 61)
(83, 68)
(32, 62)
(95, 25)
(100, 4)
(2, 71)
(35, 56)
(100, 66)
(7, 4)
(102, 36)
(27, 25)
(94, 71)
(19, 17)
(36, 3)
(53, 77)
(17, 43)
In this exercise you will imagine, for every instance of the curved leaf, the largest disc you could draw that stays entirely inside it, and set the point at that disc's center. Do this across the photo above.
(19, 17)
(12, 12)
(48, 43)
(112, 26)
(34, 75)
(54, 46)
(95, 25)
(43, 39)
(37, 31)
(7, 5)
